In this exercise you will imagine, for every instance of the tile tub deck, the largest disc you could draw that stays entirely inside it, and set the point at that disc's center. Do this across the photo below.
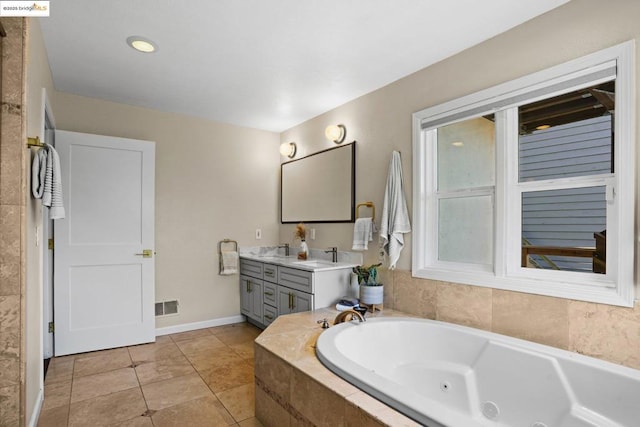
(293, 388)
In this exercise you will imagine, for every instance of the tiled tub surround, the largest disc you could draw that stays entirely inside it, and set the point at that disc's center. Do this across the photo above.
(439, 373)
(602, 331)
(293, 388)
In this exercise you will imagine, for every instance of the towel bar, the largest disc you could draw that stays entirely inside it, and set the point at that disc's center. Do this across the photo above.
(34, 142)
(369, 205)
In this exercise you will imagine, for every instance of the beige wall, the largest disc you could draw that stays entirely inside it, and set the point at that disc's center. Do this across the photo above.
(213, 181)
(381, 122)
(38, 77)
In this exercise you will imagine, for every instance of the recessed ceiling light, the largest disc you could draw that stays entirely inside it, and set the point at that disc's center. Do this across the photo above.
(543, 127)
(141, 44)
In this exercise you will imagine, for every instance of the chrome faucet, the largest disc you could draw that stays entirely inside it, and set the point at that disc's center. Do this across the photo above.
(286, 248)
(334, 254)
(348, 315)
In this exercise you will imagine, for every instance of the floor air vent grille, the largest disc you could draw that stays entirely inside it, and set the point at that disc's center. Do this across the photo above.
(166, 308)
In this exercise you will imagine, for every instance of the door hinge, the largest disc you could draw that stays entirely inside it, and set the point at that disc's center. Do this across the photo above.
(51, 327)
(51, 244)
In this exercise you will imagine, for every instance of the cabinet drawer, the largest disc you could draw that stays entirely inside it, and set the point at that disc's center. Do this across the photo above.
(251, 268)
(269, 315)
(270, 294)
(270, 272)
(296, 279)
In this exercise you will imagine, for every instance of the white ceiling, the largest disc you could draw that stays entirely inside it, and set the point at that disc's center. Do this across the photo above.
(266, 64)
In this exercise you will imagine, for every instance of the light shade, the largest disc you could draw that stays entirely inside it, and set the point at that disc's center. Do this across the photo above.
(335, 133)
(288, 149)
(141, 44)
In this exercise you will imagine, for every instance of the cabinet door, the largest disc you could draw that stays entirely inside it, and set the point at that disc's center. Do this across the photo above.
(245, 295)
(302, 301)
(256, 300)
(292, 301)
(284, 300)
(251, 297)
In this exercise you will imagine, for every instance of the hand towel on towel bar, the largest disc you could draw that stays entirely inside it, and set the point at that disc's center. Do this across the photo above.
(38, 170)
(395, 215)
(229, 263)
(363, 231)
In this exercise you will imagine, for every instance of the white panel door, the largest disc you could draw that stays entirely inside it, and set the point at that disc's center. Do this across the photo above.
(103, 289)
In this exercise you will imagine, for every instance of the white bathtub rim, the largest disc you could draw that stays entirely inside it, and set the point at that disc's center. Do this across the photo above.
(439, 414)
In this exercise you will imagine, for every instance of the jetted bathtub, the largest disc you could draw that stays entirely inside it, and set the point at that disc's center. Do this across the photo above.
(442, 374)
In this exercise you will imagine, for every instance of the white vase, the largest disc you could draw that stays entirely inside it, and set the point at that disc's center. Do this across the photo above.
(303, 252)
(371, 294)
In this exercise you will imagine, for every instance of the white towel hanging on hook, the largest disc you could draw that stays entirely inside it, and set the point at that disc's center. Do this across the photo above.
(395, 215)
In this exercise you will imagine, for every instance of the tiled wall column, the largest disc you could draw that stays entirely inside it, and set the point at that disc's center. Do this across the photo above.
(12, 222)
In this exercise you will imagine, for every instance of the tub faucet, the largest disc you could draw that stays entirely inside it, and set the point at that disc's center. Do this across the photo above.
(334, 253)
(348, 315)
(286, 248)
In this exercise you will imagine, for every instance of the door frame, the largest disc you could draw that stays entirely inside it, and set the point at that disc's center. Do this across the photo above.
(46, 268)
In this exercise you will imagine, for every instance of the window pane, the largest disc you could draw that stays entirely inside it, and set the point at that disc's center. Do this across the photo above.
(568, 135)
(559, 229)
(465, 230)
(466, 154)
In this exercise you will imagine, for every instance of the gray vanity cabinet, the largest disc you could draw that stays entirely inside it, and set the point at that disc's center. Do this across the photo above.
(269, 290)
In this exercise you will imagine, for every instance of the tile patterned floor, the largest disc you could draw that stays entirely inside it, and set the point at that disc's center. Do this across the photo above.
(196, 378)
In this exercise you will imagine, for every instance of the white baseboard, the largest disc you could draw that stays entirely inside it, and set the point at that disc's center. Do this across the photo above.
(35, 415)
(199, 325)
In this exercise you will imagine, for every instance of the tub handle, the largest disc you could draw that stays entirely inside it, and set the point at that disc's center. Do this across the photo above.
(325, 323)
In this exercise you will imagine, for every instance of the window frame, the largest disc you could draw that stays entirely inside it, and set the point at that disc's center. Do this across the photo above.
(617, 286)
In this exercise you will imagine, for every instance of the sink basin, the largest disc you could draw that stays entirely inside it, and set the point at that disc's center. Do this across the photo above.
(315, 263)
(274, 257)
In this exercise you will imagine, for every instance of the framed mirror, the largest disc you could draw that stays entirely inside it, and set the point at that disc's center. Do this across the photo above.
(320, 187)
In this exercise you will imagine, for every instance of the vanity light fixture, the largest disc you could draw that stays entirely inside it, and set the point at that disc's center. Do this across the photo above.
(457, 143)
(141, 44)
(335, 133)
(288, 149)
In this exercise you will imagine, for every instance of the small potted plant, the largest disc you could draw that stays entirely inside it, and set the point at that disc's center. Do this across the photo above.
(301, 233)
(371, 291)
